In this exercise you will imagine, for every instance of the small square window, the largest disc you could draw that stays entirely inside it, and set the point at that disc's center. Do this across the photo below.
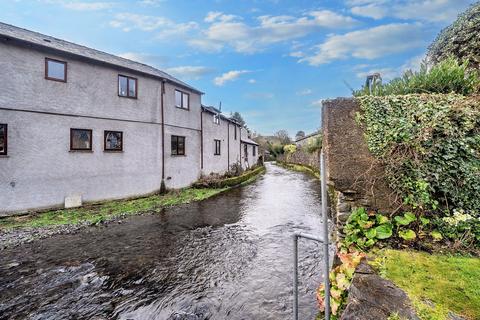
(127, 87)
(3, 139)
(178, 146)
(182, 100)
(80, 139)
(217, 147)
(113, 140)
(55, 70)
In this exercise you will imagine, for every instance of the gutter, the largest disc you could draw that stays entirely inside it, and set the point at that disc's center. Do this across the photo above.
(163, 189)
(201, 138)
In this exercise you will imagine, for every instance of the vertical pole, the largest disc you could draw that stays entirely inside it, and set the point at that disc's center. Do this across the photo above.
(323, 183)
(295, 277)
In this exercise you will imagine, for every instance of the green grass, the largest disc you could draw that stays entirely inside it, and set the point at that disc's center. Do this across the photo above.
(108, 210)
(300, 168)
(435, 283)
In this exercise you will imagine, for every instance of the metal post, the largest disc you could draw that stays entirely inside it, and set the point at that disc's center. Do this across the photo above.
(295, 276)
(323, 183)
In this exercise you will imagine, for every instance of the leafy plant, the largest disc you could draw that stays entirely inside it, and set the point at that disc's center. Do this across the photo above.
(429, 145)
(363, 228)
(314, 144)
(447, 76)
(340, 280)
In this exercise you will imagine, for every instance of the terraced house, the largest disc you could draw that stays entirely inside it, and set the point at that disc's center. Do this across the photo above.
(78, 124)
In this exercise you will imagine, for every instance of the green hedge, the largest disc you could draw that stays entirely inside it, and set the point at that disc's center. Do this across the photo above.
(230, 182)
(430, 145)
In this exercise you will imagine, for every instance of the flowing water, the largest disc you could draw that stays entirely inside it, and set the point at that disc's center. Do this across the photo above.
(229, 257)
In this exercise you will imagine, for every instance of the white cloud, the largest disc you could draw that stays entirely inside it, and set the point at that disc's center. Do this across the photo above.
(230, 30)
(151, 2)
(304, 92)
(147, 58)
(252, 81)
(297, 54)
(413, 63)
(189, 72)
(368, 43)
(443, 11)
(371, 11)
(228, 76)
(81, 5)
(317, 103)
(167, 28)
(87, 6)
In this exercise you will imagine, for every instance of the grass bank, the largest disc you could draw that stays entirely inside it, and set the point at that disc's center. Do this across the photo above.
(110, 210)
(436, 283)
(300, 168)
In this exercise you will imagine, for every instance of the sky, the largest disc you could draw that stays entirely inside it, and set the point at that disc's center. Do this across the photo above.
(272, 60)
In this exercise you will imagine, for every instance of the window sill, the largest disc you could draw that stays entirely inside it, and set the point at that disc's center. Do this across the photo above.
(185, 109)
(4, 156)
(135, 98)
(113, 151)
(81, 151)
(217, 154)
(178, 155)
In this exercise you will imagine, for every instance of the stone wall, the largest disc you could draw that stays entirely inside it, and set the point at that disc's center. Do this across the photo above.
(354, 176)
(302, 157)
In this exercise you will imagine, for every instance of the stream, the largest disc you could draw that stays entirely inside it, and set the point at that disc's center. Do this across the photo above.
(228, 257)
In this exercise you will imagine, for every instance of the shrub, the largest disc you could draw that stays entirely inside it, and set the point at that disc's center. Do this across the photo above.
(430, 146)
(289, 149)
(460, 39)
(447, 76)
(314, 144)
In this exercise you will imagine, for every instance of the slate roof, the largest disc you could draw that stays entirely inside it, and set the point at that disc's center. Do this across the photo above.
(316, 133)
(249, 141)
(8, 32)
(214, 110)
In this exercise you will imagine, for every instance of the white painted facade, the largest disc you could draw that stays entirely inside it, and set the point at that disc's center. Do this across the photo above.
(40, 170)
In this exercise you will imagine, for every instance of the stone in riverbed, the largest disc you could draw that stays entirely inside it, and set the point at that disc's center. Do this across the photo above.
(371, 297)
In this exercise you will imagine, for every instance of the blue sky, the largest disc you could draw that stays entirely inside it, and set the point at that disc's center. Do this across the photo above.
(271, 60)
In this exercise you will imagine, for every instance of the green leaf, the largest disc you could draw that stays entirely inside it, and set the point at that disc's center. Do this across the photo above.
(369, 243)
(406, 219)
(381, 219)
(407, 235)
(437, 236)
(424, 221)
(371, 233)
(384, 231)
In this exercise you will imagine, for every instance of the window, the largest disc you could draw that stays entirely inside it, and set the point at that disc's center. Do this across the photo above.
(127, 87)
(216, 119)
(113, 141)
(235, 132)
(55, 70)
(3, 139)
(182, 100)
(254, 150)
(178, 146)
(217, 147)
(80, 139)
(245, 151)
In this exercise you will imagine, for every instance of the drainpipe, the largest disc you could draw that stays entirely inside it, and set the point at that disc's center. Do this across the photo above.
(240, 140)
(163, 188)
(228, 146)
(201, 137)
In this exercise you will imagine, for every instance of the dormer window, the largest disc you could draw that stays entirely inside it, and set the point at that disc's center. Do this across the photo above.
(182, 100)
(216, 119)
(127, 87)
(55, 70)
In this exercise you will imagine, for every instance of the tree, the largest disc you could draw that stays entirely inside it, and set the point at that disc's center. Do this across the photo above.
(300, 134)
(460, 40)
(238, 117)
(283, 136)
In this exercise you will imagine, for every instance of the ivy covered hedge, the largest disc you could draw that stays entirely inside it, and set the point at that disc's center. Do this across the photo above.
(460, 39)
(430, 145)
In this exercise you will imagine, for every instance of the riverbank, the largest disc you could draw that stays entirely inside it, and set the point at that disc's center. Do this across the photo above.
(16, 230)
(299, 168)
